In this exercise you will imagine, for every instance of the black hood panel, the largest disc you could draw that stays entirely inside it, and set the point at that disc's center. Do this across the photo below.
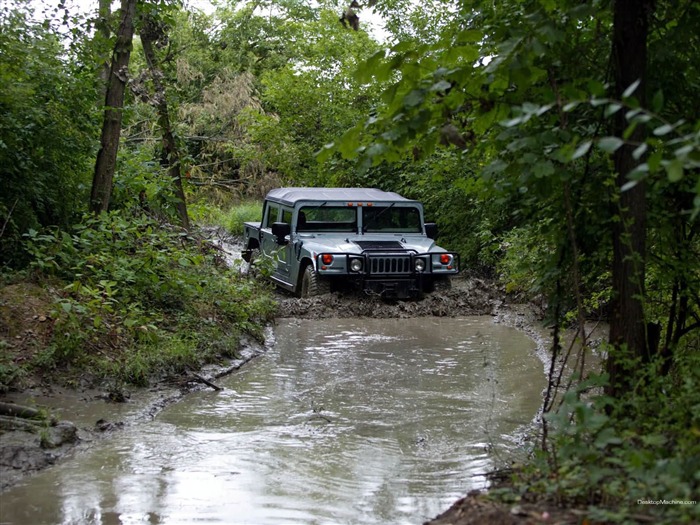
(380, 245)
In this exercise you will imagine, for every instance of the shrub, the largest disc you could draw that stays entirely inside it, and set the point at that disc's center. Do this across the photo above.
(138, 297)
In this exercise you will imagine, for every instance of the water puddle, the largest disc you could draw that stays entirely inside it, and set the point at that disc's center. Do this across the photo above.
(371, 421)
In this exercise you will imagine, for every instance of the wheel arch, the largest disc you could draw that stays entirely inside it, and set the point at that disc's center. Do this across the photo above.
(304, 262)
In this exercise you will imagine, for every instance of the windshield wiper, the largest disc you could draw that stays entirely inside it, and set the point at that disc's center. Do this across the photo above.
(374, 219)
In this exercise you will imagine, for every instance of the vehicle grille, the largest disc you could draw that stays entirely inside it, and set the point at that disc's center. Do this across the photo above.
(390, 264)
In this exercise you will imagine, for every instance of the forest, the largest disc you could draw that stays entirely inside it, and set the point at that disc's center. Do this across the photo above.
(557, 145)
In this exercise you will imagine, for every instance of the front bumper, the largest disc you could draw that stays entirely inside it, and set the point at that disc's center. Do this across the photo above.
(389, 274)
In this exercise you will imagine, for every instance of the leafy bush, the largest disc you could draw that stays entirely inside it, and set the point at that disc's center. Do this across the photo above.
(47, 131)
(138, 297)
(244, 212)
(610, 454)
(231, 217)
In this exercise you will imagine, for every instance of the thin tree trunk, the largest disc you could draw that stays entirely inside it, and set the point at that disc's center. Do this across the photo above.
(114, 104)
(627, 324)
(170, 154)
(104, 13)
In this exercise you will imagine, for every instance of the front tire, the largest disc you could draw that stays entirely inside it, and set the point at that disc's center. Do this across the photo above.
(312, 284)
(250, 258)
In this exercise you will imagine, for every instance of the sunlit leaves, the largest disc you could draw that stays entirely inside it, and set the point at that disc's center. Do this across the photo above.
(582, 149)
(631, 89)
(610, 144)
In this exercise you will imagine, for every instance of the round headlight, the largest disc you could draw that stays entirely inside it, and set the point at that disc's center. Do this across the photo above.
(356, 265)
(419, 265)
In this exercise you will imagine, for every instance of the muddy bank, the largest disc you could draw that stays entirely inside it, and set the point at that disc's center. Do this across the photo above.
(72, 419)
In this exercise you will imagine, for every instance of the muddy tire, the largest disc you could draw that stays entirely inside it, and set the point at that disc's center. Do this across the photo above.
(313, 285)
(249, 268)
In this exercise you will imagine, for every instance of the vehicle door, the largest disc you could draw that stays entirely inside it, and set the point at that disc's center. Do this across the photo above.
(284, 251)
(279, 254)
(268, 242)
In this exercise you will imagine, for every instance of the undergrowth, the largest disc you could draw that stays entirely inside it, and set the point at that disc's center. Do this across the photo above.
(627, 460)
(136, 299)
(231, 218)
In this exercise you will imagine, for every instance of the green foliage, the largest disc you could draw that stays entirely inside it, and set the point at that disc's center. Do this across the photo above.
(608, 454)
(138, 297)
(240, 213)
(46, 131)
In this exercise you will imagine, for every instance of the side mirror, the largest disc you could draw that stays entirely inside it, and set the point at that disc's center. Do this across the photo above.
(431, 230)
(280, 230)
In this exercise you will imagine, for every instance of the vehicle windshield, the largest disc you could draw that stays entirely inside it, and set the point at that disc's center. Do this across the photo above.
(327, 219)
(394, 219)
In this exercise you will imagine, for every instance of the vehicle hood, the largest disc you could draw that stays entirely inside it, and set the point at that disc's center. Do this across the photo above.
(356, 244)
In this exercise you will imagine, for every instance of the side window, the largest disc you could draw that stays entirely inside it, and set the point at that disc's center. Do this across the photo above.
(286, 215)
(272, 213)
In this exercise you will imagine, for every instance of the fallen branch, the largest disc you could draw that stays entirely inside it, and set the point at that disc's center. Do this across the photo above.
(206, 381)
(13, 410)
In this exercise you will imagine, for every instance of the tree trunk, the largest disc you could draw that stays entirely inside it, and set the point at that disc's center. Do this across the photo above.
(627, 323)
(170, 154)
(114, 103)
(104, 13)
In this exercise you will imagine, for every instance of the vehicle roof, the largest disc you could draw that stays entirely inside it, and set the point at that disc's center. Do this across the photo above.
(292, 195)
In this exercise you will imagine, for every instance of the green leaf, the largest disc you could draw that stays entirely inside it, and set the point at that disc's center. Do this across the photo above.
(630, 129)
(663, 130)
(610, 144)
(442, 85)
(581, 150)
(463, 54)
(349, 142)
(414, 98)
(470, 35)
(654, 161)
(607, 437)
(657, 103)
(326, 152)
(376, 149)
(640, 150)
(674, 170)
(543, 169)
(513, 121)
(631, 89)
(629, 185)
(612, 108)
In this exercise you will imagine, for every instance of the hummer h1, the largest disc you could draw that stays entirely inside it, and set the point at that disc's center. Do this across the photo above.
(319, 238)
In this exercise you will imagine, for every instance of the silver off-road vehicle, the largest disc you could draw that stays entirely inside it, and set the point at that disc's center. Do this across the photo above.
(377, 241)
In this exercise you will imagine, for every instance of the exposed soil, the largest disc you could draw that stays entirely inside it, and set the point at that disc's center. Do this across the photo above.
(27, 446)
(467, 296)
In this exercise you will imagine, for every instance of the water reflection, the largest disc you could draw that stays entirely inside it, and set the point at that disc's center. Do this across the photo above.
(342, 422)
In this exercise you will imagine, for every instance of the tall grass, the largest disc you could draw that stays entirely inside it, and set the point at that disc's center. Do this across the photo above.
(231, 217)
(234, 218)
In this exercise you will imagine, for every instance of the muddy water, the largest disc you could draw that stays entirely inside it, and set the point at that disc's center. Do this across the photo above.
(340, 422)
